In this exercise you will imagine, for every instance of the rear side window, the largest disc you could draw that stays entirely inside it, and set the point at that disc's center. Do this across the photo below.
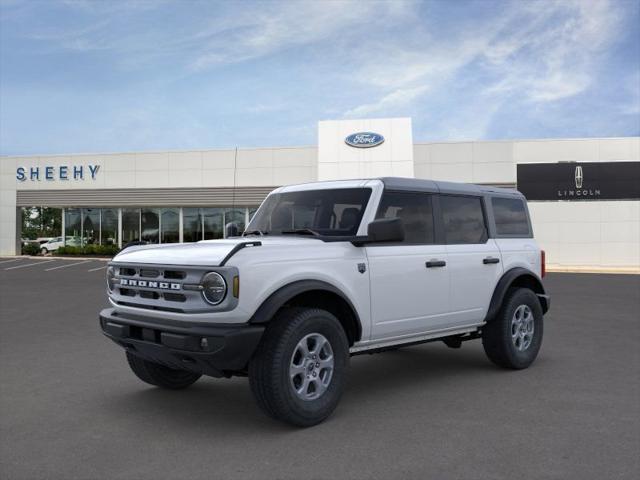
(463, 219)
(510, 216)
(416, 212)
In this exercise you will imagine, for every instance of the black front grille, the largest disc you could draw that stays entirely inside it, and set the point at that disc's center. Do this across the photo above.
(174, 274)
(174, 297)
(147, 273)
(149, 294)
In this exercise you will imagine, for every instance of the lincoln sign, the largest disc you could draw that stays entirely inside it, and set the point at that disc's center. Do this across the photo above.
(580, 181)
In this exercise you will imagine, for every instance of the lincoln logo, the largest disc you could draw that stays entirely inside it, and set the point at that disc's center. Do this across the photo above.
(579, 177)
(579, 191)
(128, 282)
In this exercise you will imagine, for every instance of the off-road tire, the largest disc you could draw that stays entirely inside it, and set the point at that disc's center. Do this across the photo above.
(269, 374)
(159, 375)
(497, 334)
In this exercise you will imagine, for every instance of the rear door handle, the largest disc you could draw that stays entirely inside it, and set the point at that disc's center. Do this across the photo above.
(490, 260)
(436, 263)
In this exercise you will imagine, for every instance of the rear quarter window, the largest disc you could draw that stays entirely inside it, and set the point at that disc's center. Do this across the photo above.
(510, 216)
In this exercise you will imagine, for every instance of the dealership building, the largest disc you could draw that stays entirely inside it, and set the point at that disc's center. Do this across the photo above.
(584, 194)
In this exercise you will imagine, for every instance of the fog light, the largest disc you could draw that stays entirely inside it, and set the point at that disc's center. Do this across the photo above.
(204, 344)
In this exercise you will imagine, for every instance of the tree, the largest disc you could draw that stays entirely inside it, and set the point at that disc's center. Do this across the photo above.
(41, 222)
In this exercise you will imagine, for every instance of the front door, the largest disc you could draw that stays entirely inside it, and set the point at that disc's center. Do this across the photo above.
(409, 280)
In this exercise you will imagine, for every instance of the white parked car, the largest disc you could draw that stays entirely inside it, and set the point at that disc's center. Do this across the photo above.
(52, 245)
(329, 270)
(56, 242)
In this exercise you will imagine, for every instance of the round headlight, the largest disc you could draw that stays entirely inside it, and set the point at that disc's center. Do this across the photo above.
(111, 275)
(214, 288)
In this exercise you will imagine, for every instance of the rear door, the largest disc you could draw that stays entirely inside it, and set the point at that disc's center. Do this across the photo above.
(475, 264)
(409, 279)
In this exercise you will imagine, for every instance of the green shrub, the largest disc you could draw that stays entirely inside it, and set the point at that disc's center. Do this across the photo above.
(102, 250)
(31, 249)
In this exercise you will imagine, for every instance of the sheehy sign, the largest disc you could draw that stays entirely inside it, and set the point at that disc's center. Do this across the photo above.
(59, 172)
(580, 181)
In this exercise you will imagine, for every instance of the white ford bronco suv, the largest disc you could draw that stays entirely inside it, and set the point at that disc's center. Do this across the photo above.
(328, 270)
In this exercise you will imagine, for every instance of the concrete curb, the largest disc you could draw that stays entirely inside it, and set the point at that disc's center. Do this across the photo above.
(608, 270)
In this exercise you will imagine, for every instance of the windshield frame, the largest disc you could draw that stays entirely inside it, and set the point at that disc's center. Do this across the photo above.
(262, 217)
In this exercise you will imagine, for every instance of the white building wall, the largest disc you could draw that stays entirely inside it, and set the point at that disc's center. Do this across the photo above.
(472, 162)
(198, 168)
(337, 160)
(585, 233)
(580, 233)
(8, 211)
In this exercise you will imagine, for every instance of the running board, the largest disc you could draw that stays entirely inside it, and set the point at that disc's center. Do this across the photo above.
(415, 340)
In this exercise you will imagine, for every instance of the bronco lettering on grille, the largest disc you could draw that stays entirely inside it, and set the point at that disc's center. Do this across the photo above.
(129, 282)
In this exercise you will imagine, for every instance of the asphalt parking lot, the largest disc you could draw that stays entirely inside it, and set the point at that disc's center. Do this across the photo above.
(70, 408)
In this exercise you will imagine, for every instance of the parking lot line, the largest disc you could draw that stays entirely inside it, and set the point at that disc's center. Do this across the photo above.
(96, 269)
(30, 264)
(9, 261)
(65, 266)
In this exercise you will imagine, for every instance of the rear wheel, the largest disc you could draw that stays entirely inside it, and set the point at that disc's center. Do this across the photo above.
(299, 370)
(159, 375)
(514, 337)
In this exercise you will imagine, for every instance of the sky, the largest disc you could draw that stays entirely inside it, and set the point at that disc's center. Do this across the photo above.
(89, 76)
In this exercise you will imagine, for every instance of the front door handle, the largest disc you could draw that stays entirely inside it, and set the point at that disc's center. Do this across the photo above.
(490, 260)
(436, 263)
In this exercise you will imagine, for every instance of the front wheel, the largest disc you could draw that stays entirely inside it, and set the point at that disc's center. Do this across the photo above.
(513, 338)
(159, 375)
(299, 370)
(44, 251)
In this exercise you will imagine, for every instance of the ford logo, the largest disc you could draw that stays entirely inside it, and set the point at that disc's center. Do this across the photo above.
(364, 139)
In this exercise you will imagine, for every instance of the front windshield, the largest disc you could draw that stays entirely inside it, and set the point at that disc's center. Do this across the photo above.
(335, 212)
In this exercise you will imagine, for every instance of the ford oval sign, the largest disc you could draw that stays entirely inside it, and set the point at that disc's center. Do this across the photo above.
(364, 139)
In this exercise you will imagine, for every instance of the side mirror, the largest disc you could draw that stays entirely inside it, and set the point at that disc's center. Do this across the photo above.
(385, 230)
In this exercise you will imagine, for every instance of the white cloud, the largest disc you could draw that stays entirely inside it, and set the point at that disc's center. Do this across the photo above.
(396, 99)
(256, 33)
(537, 51)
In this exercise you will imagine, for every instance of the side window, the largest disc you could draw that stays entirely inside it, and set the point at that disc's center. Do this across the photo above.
(463, 219)
(510, 216)
(416, 212)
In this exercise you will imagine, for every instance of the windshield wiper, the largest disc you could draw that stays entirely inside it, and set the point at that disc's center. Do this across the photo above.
(301, 231)
(254, 232)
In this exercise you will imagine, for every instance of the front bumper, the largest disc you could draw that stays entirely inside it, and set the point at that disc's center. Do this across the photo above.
(214, 350)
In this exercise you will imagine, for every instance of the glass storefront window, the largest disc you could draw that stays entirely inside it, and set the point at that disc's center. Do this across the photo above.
(191, 225)
(130, 225)
(150, 225)
(213, 222)
(252, 212)
(109, 226)
(72, 226)
(90, 226)
(170, 225)
(235, 216)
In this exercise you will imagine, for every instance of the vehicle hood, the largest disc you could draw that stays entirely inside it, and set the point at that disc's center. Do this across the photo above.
(203, 253)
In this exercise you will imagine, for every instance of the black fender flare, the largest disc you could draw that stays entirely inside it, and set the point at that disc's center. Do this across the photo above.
(280, 297)
(523, 277)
